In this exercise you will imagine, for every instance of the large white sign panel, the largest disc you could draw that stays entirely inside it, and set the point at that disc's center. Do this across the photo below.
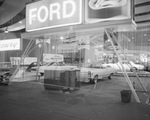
(107, 10)
(53, 58)
(10, 44)
(53, 13)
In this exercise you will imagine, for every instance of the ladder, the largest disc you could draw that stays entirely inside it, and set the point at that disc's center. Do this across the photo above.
(110, 33)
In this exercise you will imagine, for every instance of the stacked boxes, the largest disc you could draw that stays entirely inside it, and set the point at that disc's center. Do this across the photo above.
(51, 79)
(60, 79)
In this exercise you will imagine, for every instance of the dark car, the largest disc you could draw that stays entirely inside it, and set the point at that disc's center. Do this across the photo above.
(5, 77)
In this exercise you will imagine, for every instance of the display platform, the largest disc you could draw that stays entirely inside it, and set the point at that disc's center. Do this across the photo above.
(131, 74)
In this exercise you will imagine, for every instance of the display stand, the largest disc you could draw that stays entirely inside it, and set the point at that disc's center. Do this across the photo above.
(109, 33)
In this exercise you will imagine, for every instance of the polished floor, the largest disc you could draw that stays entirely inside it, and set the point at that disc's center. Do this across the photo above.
(30, 101)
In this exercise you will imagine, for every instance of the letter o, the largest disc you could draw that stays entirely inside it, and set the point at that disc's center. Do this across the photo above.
(44, 8)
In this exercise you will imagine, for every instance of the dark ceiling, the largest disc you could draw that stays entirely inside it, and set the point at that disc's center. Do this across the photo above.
(12, 11)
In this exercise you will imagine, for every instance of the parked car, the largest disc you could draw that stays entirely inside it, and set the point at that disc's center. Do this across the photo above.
(92, 74)
(128, 66)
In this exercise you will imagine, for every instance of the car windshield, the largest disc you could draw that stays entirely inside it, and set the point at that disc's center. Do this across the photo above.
(95, 66)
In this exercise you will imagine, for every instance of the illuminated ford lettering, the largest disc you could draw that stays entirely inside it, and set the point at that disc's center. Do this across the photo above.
(48, 14)
(73, 5)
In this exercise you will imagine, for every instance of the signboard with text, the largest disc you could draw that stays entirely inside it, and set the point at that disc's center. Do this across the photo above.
(26, 61)
(10, 44)
(53, 13)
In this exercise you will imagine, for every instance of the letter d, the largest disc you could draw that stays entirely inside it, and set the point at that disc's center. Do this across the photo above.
(69, 2)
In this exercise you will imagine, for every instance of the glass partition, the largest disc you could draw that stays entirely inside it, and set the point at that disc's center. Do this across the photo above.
(68, 61)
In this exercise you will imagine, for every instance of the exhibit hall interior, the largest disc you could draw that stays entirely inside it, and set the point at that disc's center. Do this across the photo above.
(86, 56)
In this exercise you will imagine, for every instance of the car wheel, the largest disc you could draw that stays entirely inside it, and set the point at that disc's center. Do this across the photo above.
(6, 84)
(42, 74)
(91, 80)
(133, 69)
(95, 79)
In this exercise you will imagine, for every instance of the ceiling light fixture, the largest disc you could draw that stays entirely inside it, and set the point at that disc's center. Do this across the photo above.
(61, 38)
(20, 22)
(6, 31)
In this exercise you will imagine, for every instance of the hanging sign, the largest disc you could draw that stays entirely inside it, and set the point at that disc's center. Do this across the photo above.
(43, 40)
(10, 44)
(53, 57)
(53, 13)
(67, 48)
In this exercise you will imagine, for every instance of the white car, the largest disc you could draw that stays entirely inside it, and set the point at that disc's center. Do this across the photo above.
(128, 66)
(92, 74)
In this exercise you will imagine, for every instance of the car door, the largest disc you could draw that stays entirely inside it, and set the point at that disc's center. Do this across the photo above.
(103, 72)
